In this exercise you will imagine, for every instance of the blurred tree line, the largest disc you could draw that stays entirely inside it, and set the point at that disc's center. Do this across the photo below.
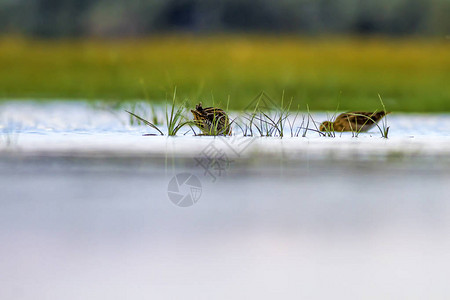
(56, 18)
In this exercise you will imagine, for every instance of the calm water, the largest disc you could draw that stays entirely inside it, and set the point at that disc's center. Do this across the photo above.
(86, 214)
(77, 128)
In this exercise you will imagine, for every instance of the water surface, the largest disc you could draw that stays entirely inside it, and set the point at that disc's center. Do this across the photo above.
(85, 211)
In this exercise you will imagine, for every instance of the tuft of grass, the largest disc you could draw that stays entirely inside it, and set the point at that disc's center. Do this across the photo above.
(175, 119)
(310, 118)
(155, 119)
(267, 117)
(284, 114)
(330, 131)
(385, 127)
(252, 116)
(154, 115)
(144, 121)
(291, 125)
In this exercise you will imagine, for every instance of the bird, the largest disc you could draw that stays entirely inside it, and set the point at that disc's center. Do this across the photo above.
(211, 120)
(357, 121)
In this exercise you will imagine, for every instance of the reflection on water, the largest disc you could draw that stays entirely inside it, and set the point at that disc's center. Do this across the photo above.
(77, 129)
(96, 228)
(85, 211)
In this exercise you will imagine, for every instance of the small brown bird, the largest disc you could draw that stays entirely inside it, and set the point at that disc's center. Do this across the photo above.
(356, 121)
(211, 120)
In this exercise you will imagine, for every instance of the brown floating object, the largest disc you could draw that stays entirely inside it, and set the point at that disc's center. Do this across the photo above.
(211, 120)
(357, 121)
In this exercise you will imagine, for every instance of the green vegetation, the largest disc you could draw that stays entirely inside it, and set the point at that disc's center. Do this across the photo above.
(263, 118)
(410, 74)
(175, 120)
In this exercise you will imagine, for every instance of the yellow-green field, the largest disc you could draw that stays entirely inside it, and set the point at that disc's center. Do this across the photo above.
(410, 75)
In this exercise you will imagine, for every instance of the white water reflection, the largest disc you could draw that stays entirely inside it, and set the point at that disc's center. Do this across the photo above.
(77, 127)
(80, 229)
(314, 218)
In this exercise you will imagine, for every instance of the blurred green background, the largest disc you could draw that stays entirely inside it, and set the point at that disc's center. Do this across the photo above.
(320, 53)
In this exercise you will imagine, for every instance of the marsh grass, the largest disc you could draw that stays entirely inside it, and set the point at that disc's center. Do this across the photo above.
(310, 120)
(175, 117)
(143, 112)
(329, 131)
(251, 117)
(143, 121)
(154, 115)
(384, 128)
(264, 118)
